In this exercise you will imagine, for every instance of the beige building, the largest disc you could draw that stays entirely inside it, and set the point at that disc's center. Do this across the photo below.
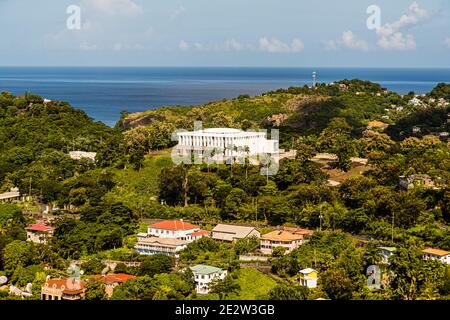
(230, 233)
(155, 245)
(280, 238)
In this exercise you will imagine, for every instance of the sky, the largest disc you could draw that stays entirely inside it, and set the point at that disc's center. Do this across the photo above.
(270, 33)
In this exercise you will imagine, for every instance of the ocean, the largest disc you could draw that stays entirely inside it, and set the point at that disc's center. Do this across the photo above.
(104, 92)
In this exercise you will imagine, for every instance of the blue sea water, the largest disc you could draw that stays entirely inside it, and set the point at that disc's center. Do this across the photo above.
(104, 92)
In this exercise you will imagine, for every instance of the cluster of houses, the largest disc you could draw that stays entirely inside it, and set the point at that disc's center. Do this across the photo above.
(427, 254)
(75, 289)
(171, 237)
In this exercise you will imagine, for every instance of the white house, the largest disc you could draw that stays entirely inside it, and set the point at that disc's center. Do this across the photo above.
(39, 233)
(225, 143)
(205, 275)
(436, 254)
(308, 278)
(176, 229)
(415, 101)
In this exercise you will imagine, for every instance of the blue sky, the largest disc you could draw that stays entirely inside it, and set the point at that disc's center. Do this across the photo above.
(226, 33)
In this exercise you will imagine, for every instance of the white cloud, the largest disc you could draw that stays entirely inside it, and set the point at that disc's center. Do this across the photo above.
(115, 7)
(274, 45)
(390, 35)
(178, 12)
(348, 40)
(233, 45)
(183, 45)
(88, 47)
(447, 42)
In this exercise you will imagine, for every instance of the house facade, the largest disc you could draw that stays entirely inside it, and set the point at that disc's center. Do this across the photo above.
(230, 233)
(436, 254)
(39, 232)
(111, 281)
(228, 142)
(280, 238)
(155, 245)
(63, 289)
(174, 229)
(205, 275)
(308, 278)
(13, 195)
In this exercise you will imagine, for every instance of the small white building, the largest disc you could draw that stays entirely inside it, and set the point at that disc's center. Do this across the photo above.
(308, 278)
(415, 101)
(78, 155)
(436, 254)
(205, 275)
(386, 253)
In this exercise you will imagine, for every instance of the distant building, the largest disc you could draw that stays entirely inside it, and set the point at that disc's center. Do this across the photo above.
(230, 233)
(78, 155)
(204, 275)
(155, 245)
(436, 254)
(63, 289)
(377, 125)
(386, 253)
(416, 129)
(11, 196)
(308, 278)
(226, 142)
(280, 238)
(39, 232)
(111, 281)
(416, 181)
(415, 101)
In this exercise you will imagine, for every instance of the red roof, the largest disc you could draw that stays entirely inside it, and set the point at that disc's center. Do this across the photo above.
(39, 227)
(173, 225)
(114, 278)
(69, 286)
(199, 233)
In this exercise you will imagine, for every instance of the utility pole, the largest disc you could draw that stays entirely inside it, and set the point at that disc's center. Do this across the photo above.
(392, 235)
(320, 220)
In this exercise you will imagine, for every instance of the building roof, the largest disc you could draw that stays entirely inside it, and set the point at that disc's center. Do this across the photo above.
(39, 227)
(307, 271)
(204, 269)
(390, 249)
(436, 252)
(168, 242)
(281, 235)
(298, 230)
(173, 225)
(199, 233)
(236, 231)
(378, 124)
(67, 286)
(9, 195)
(114, 278)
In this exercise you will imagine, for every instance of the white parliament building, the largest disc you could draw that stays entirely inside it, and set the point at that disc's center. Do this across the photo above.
(226, 142)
